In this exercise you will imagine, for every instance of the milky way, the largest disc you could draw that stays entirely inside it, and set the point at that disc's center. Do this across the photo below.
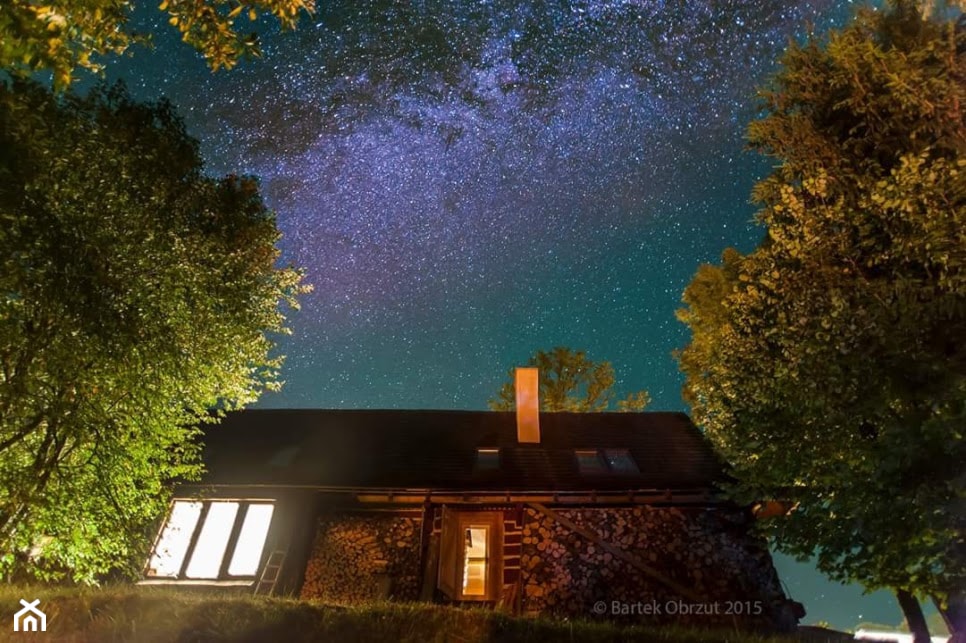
(465, 183)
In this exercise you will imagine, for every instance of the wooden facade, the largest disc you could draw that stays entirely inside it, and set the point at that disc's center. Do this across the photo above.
(450, 507)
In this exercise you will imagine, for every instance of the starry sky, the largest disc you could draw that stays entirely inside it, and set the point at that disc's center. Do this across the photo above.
(467, 182)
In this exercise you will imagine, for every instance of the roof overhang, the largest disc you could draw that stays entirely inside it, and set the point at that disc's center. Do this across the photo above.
(465, 496)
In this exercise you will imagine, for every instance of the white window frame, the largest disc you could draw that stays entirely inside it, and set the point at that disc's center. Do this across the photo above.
(228, 551)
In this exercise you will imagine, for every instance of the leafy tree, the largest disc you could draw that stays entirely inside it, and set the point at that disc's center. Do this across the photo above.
(570, 381)
(62, 35)
(136, 295)
(828, 366)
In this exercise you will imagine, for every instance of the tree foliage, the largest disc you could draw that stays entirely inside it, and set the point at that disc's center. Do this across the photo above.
(570, 381)
(62, 35)
(136, 295)
(829, 365)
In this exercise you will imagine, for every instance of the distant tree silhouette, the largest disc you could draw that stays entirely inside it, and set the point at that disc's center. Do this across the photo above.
(570, 381)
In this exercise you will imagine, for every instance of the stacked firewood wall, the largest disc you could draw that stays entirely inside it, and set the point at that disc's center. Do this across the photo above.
(709, 552)
(360, 557)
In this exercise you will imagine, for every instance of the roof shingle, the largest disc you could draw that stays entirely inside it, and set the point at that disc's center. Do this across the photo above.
(399, 449)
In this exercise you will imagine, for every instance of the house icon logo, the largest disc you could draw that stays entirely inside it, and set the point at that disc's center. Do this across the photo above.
(29, 619)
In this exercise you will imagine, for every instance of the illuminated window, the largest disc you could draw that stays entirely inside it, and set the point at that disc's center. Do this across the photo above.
(169, 553)
(470, 556)
(474, 560)
(209, 551)
(216, 539)
(487, 459)
(251, 541)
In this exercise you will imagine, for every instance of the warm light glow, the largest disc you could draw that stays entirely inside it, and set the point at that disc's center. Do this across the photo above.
(251, 541)
(210, 548)
(175, 538)
(474, 561)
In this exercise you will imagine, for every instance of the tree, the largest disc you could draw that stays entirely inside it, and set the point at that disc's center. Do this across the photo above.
(138, 299)
(570, 381)
(828, 366)
(62, 35)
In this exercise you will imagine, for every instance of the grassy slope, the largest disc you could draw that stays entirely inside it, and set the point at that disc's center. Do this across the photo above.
(148, 615)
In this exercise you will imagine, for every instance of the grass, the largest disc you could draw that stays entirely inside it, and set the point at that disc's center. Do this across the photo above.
(153, 614)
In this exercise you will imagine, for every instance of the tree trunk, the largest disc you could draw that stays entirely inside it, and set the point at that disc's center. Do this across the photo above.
(954, 613)
(914, 618)
(942, 612)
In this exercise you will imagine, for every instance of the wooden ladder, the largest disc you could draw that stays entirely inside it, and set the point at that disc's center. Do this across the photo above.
(270, 573)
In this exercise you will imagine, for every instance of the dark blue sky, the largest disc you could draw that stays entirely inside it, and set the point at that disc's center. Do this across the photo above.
(467, 182)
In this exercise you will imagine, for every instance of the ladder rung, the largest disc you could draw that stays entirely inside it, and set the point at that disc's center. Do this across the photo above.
(271, 572)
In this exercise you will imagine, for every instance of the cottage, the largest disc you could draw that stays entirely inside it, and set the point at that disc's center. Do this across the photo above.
(577, 514)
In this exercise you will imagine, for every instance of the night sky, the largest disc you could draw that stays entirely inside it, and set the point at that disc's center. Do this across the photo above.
(465, 183)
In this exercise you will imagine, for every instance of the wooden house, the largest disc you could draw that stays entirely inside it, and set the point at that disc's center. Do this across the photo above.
(593, 515)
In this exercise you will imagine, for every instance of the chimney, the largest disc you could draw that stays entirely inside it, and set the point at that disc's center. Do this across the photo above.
(527, 382)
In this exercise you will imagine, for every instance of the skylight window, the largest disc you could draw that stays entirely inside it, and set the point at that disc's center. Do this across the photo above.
(620, 461)
(589, 461)
(603, 461)
(487, 459)
(283, 457)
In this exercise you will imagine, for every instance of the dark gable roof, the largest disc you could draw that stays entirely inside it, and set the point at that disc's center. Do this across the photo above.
(437, 450)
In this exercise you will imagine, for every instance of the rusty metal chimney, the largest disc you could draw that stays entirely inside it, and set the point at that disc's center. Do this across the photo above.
(527, 384)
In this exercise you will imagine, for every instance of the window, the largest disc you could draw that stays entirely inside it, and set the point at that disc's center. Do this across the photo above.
(172, 547)
(604, 461)
(211, 540)
(589, 461)
(487, 459)
(620, 461)
(251, 541)
(475, 560)
(283, 457)
(470, 555)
